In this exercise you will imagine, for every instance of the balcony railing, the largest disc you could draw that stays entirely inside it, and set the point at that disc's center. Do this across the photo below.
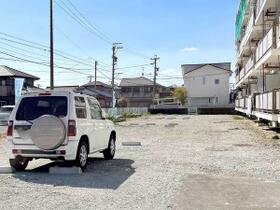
(265, 44)
(241, 103)
(259, 6)
(248, 31)
(268, 101)
(250, 64)
(242, 73)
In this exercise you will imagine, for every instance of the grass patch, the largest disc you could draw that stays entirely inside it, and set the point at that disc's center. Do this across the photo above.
(236, 117)
(124, 117)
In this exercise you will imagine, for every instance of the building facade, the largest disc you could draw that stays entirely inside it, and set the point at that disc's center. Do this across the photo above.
(207, 84)
(102, 92)
(7, 84)
(257, 78)
(139, 91)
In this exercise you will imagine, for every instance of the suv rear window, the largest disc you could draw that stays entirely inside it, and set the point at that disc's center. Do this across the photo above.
(31, 108)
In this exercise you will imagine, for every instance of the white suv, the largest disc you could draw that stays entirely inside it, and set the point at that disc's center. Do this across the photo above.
(58, 125)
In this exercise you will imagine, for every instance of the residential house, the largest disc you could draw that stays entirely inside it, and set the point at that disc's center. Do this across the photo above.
(103, 92)
(102, 95)
(139, 91)
(257, 78)
(207, 84)
(7, 84)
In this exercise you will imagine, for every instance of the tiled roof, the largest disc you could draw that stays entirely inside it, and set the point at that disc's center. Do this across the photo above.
(98, 83)
(138, 81)
(6, 71)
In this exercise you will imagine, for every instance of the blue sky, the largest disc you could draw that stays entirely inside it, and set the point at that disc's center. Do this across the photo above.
(179, 31)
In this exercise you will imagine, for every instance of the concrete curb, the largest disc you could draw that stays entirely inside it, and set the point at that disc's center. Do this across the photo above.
(6, 170)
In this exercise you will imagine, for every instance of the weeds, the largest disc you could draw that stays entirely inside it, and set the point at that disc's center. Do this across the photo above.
(124, 117)
(236, 117)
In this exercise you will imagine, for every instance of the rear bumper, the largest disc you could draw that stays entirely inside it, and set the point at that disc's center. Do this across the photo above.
(33, 151)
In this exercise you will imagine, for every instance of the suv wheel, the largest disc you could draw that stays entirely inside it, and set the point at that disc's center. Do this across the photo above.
(19, 163)
(109, 153)
(82, 155)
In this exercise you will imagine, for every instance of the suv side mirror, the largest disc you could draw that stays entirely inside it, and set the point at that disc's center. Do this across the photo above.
(104, 115)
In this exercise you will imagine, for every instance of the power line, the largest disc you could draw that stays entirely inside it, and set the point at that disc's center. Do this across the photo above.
(80, 21)
(90, 23)
(41, 47)
(39, 63)
(85, 23)
(130, 67)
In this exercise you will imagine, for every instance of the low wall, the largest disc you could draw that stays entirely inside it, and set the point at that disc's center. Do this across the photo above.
(120, 111)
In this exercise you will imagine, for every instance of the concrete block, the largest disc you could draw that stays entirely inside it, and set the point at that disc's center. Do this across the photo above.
(65, 170)
(6, 170)
(129, 144)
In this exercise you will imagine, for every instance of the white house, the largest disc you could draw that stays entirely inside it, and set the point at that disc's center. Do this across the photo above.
(207, 84)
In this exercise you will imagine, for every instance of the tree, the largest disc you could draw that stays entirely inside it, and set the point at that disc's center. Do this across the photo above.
(122, 102)
(180, 93)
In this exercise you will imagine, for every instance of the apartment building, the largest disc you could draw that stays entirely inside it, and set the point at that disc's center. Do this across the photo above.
(257, 78)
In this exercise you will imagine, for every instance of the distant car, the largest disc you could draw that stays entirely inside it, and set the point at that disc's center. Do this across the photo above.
(5, 112)
(58, 125)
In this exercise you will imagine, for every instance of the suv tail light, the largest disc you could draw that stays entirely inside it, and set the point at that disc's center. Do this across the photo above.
(72, 128)
(10, 128)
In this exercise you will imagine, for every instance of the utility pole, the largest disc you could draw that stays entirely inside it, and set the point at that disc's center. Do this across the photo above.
(90, 78)
(51, 47)
(156, 69)
(95, 73)
(115, 60)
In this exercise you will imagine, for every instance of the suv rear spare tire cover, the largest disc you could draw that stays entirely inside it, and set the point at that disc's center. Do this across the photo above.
(48, 132)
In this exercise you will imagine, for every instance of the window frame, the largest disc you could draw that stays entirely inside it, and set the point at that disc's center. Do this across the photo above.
(82, 106)
(93, 105)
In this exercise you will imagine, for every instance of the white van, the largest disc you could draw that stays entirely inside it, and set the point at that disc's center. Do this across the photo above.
(58, 125)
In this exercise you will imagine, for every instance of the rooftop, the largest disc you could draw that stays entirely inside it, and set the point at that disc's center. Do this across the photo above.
(137, 81)
(98, 83)
(6, 71)
(187, 68)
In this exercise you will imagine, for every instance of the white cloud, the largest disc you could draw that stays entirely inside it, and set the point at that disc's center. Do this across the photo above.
(189, 49)
(169, 71)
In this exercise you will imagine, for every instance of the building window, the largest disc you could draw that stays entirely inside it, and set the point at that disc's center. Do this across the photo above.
(203, 80)
(147, 89)
(3, 82)
(217, 81)
(126, 90)
(136, 90)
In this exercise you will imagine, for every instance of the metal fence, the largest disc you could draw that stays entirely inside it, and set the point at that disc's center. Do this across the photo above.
(120, 111)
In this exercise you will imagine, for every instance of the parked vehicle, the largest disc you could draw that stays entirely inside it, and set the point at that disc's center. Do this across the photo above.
(5, 112)
(58, 125)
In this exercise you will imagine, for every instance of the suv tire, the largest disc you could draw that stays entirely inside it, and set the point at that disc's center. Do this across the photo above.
(109, 153)
(82, 155)
(19, 163)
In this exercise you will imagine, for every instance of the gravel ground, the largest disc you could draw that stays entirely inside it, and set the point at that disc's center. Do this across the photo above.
(150, 176)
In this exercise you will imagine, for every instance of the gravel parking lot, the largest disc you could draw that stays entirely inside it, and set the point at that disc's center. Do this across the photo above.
(184, 162)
